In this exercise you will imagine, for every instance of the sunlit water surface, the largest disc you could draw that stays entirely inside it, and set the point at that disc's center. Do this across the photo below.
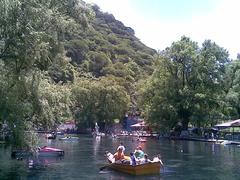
(83, 158)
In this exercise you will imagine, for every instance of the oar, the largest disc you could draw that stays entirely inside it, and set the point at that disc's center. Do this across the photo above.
(163, 168)
(161, 164)
(104, 167)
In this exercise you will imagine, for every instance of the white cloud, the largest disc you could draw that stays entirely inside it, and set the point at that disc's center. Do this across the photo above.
(220, 25)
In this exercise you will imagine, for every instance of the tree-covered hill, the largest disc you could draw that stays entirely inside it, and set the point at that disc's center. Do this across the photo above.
(107, 47)
(65, 59)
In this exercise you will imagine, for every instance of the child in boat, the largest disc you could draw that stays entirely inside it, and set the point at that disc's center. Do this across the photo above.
(132, 159)
(145, 159)
(139, 154)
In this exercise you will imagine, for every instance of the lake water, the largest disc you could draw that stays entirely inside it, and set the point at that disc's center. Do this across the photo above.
(83, 158)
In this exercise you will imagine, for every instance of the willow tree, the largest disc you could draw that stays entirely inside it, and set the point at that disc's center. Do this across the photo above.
(186, 84)
(31, 36)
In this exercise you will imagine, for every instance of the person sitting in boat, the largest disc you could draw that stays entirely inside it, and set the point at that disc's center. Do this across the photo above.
(132, 159)
(119, 155)
(158, 159)
(139, 154)
(145, 159)
(121, 146)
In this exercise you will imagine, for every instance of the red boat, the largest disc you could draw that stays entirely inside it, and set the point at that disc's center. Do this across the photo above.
(48, 151)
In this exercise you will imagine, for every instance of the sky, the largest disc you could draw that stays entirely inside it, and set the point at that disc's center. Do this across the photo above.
(158, 23)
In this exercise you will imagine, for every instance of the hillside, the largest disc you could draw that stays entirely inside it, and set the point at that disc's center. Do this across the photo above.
(107, 47)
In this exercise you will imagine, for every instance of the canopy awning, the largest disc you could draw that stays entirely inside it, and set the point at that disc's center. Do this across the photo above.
(235, 123)
(141, 124)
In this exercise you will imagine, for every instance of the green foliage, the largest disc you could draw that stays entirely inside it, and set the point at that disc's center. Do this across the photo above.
(118, 69)
(77, 50)
(100, 100)
(232, 89)
(31, 36)
(52, 102)
(110, 38)
(186, 85)
(97, 62)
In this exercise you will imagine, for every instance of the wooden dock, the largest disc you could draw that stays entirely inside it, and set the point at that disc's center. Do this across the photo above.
(197, 139)
(217, 141)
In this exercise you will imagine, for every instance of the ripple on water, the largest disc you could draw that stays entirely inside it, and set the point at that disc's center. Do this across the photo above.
(197, 157)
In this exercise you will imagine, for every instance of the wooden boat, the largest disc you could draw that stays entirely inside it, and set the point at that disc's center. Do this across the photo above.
(141, 169)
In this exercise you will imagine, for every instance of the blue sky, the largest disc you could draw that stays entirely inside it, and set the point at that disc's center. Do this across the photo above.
(158, 23)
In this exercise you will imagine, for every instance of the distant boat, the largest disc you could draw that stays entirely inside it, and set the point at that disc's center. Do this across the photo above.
(69, 138)
(49, 151)
(142, 140)
(60, 133)
(50, 136)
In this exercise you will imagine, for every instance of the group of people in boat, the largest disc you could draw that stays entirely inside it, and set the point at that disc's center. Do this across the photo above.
(137, 157)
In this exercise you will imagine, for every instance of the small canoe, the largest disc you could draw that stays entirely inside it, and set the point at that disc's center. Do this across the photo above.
(48, 151)
(141, 169)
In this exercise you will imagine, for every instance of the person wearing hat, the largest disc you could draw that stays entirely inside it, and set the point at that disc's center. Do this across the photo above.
(119, 155)
(121, 146)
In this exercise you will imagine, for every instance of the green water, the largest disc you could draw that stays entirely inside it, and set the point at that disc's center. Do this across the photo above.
(82, 160)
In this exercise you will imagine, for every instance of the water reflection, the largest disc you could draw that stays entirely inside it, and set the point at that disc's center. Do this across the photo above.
(96, 143)
(42, 162)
